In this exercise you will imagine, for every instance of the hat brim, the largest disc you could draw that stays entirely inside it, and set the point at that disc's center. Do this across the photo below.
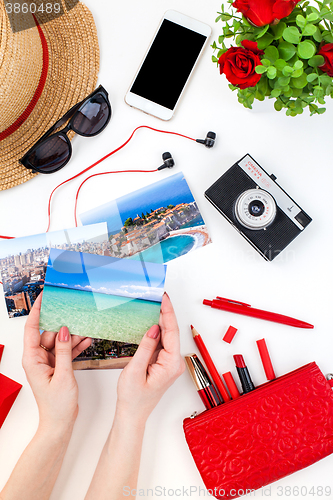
(72, 72)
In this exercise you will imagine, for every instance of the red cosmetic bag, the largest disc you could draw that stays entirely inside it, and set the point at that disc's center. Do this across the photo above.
(262, 436)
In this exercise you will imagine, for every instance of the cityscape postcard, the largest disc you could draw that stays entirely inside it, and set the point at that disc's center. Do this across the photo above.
(101, 297)
(23, 261)
(157, 223)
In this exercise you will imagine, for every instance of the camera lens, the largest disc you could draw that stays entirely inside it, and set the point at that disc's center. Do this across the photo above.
(255, 209)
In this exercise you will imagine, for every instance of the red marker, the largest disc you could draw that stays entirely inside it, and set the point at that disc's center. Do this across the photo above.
(202, 382)
(247, 310)
(210, 365)
(232, 387)
(266, 360)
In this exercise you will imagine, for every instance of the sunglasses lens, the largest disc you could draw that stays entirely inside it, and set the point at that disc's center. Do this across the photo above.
(92, 117)
(50, 155)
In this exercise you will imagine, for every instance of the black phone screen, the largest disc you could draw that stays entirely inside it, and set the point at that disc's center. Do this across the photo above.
(168, 64)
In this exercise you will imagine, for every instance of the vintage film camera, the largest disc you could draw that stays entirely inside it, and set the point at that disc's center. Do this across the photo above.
(257, 207)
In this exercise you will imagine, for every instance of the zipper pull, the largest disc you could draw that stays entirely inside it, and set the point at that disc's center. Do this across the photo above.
(329, 378)
(196, 413)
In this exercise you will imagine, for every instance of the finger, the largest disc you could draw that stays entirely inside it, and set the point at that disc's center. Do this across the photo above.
(63, 353)
(47, 339)
(141, 359)
(169, 326)
(84, 344)
(31, 331)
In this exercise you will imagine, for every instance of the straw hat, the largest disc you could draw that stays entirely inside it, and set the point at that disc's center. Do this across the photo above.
(44, 70)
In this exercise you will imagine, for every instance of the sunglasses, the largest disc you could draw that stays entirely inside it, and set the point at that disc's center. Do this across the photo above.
(54, 150)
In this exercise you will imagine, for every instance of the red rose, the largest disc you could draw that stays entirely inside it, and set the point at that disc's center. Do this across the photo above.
(262, 12)
(327, 52)
(238, 64)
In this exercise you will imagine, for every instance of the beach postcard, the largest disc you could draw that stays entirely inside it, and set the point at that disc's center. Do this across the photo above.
(157, 223)
(101, 297)
(23, 261)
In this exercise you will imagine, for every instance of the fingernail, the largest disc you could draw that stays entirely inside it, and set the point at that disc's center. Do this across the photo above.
(165, 293)
(153, 332)
(64, 334)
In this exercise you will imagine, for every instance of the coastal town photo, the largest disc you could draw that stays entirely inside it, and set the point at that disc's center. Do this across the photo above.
(23, 261)
(157, 223)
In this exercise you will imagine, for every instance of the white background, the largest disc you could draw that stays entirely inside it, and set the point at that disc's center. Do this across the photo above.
(297, 283)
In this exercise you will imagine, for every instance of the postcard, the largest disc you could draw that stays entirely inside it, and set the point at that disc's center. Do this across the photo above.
(101, 297)
(23, 261)
(105, 354)
(157, 223)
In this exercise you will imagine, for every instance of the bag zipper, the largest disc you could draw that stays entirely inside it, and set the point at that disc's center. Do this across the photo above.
(267, 387)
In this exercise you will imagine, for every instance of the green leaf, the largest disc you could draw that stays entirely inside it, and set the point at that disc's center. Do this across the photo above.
(271, 72)
(261, 32)
(266, 62)
(298, 64)
(299, 82)
(286, 50)
(264, 41)
(225, 17)
(316, 61)
(276, 92)
(279, 64)
(287, 70)
(271, 53)
(291, 35)
(297, 73)
(312, 77)
(260, 69)
(312, 17)
(278, 105)
(284, 81)
(329, 17)
(317, 36)
(263, 85)
(300, 21)
(215, 59)
(306, 50)
(321, 110)
(278, 29)
(309, 30)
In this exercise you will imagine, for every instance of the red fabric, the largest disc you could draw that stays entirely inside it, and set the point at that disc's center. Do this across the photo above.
(9, 390)
(265, 435)
(262, 12)
(1, 350)
(21, 119)
(238, 64)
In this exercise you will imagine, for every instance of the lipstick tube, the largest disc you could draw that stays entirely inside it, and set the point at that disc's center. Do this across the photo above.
(202, 382)
(243, 374)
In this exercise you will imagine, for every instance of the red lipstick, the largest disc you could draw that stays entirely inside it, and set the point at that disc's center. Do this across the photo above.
(202, 382)
(243, 373)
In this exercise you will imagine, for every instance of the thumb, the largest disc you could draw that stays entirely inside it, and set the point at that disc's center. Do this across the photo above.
(146, 349)
(63, 352)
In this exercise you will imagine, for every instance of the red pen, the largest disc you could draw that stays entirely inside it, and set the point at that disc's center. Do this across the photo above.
(247, 310)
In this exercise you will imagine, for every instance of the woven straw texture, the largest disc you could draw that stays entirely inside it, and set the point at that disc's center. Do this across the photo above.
(72, 74)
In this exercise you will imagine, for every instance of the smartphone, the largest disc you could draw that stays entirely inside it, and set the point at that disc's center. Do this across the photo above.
(168, 64)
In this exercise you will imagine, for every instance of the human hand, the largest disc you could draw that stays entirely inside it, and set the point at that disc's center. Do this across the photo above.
(49, 371)
(153, 369)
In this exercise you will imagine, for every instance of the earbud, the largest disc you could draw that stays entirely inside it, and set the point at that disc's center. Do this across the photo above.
(209, 141)
(168, 161)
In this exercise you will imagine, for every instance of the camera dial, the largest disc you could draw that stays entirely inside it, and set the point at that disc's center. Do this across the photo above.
(255, 209)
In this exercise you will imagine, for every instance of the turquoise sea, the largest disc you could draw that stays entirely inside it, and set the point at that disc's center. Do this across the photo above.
(166, 250)
(97, 315)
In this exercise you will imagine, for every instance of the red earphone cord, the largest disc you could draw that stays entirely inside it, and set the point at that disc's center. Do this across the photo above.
(101, 173)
